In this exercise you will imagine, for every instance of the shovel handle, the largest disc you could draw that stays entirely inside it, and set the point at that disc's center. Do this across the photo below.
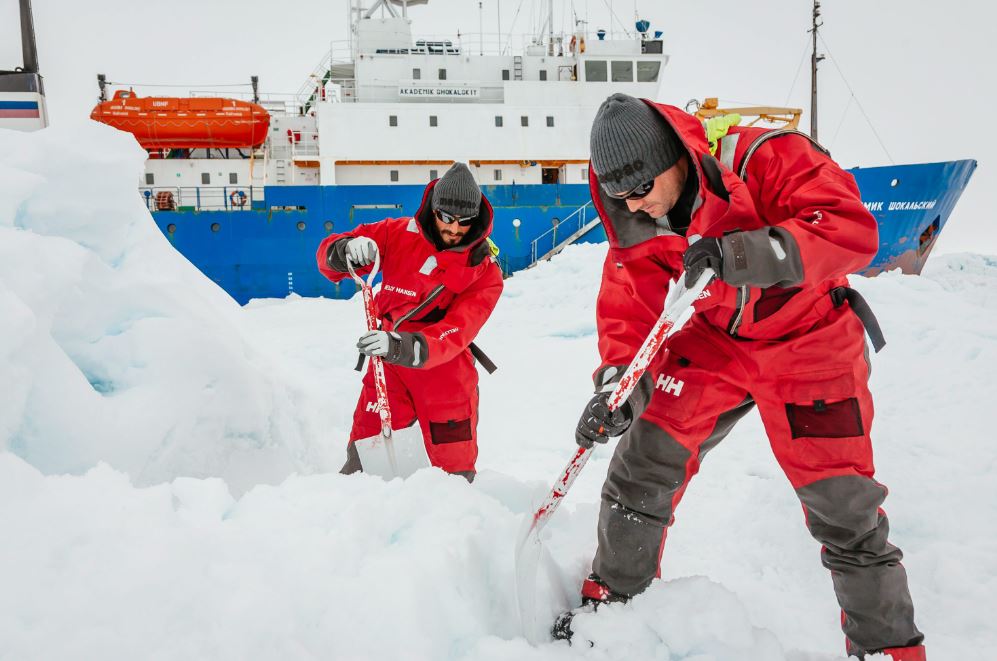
(370, 276)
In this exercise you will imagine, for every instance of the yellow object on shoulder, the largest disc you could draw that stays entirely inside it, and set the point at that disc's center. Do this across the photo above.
(717, 127)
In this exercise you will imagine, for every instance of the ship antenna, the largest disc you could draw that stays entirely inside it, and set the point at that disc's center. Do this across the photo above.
(29, 50)
(814, 61)
(102, 84)
(255, 82)
(550, 28)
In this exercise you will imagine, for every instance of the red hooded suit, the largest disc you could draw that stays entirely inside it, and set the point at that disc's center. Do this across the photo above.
(444, 295)
(794, 347)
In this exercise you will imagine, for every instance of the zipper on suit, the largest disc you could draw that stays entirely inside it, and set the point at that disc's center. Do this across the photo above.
(742, 301)
(419, 308)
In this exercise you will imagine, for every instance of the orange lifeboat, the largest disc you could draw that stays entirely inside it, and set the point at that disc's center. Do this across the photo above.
(178, 123)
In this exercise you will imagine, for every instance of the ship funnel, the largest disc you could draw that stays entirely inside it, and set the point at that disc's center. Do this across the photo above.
(28, 47)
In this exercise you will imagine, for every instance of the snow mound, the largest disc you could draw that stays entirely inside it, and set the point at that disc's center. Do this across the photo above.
(972, 275)
(115, 348)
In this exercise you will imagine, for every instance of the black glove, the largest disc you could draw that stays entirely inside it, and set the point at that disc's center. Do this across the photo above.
(598, 423)
(701, 255)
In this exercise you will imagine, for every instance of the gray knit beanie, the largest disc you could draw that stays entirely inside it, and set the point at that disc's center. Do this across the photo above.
(456, 192)
(631, 143)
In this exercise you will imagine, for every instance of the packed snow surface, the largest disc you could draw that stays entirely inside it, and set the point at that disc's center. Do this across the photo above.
(168, 485)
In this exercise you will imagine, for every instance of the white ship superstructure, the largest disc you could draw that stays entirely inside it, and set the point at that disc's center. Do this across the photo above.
(391, 107)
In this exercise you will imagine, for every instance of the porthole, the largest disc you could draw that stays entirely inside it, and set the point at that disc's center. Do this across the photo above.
(301, 226)
(215, 227)
(171, 228)
(895, 183)
(328, 226)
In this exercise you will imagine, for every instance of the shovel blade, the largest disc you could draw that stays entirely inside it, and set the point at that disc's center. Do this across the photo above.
(398, 456)
(528, 550)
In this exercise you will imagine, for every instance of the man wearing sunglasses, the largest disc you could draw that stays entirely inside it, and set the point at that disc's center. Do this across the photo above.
(778, 329)
(440, 283)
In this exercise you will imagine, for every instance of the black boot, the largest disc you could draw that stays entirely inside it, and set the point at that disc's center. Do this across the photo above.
(594, 594)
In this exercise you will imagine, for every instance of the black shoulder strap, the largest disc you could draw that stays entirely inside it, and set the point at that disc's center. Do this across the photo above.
(742, 171)
(714, 176)
(482, 358)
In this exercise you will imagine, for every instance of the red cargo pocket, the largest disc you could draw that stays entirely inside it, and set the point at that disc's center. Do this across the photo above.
(822, 404)
(825, 419)
(451, 431)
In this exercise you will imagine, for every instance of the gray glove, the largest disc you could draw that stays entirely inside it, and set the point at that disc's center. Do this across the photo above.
(405, 349)
(598, 423)
(361, 251)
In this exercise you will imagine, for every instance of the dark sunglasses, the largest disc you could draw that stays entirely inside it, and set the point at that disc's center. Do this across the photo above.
(638, 192)
(449, 218)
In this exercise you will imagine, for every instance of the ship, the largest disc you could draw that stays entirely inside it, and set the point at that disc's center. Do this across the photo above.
(22, 90)
(387, 111)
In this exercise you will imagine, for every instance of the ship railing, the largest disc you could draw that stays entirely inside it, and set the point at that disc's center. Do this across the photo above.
(563, 233)
(497, 44)
(274, 103)
(492, 43)
(311, 89)
(201, 198)
(296, 145)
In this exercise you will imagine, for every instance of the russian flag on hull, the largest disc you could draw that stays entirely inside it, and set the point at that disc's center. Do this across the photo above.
(19, 110)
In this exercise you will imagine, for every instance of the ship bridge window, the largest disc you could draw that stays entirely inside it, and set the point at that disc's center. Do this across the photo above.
(623, 71)
(505, 74)
(432, 120)
(205, 178)
(150, 180)
(543, 74)
(647, 72)
(233, 178)
(392, 120)
(595, 71)
(550, 120)
(498, 121)
(416, 74)
(443, 74)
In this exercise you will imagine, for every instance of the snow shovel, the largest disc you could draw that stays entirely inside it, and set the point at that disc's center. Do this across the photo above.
(529, 547)
(392, 453)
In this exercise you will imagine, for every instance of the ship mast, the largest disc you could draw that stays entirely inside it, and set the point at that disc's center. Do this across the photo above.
(814, 61)
(29, 51)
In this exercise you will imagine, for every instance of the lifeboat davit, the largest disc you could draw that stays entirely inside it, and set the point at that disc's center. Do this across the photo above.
(178, 123)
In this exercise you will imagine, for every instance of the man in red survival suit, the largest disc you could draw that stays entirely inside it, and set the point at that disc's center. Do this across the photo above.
(440, 284)
(778, 329)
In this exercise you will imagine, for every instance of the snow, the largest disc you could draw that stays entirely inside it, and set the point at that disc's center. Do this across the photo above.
(168, 485)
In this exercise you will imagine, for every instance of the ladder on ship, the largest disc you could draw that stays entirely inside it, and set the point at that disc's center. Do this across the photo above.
(581, 221)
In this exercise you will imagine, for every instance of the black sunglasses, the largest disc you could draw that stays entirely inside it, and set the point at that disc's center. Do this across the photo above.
(638, 192)
(449, 218)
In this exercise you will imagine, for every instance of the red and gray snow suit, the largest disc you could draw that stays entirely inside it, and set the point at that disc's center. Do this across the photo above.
(795, 348)
(444, 296)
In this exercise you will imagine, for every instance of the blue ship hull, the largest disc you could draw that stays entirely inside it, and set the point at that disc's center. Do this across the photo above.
(267, 249)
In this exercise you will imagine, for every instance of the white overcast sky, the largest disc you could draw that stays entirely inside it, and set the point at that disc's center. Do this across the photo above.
(922, 70)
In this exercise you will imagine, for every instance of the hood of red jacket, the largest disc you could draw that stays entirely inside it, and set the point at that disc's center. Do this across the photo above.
(689, 130)
(481, 228)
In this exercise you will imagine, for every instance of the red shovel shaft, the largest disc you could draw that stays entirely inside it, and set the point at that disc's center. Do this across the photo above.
(624, 387)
